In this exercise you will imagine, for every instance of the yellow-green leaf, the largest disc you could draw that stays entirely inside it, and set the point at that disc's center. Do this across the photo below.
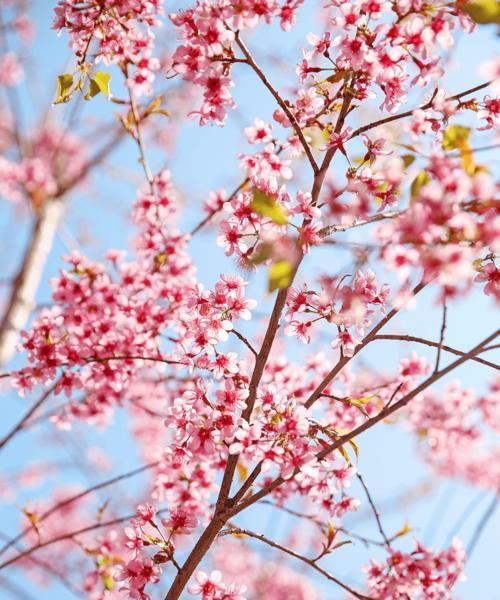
(280, 275)
(483, 12)
(455, 136)
(408, 159)
(64, 85)
(338, 76)
(403, 531)
(102, 80)
(261, 254)
(418, 183)
(331, 533)
(355, 447)
(317, 137)
(361, 401)
(345, 456)
(242, 472)
(108, 581)
(267, 206)
(93, 90)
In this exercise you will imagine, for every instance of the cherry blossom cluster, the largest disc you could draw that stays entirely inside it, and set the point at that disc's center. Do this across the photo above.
(446, 228)
(54, 159)
(454, 428)
(208, 46)
(418, 574)
(108, 320)
(384, 43)
(121, 31)
(344, 305)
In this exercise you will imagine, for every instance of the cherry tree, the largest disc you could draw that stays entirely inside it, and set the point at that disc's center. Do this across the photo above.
(360, 194)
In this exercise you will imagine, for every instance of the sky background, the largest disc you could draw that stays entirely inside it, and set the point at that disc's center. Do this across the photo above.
(205, 159)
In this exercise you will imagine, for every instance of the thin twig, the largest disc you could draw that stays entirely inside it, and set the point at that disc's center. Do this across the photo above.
(74, 498)
(69, 536)
(291, 117)
(425, 342)
(290, 552)
(245, 341)
(383, 414)
(441, 336)
(409, 113)
(375, 510)
(20, 424)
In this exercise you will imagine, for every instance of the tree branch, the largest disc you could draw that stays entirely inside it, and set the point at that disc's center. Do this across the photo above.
(251, 62)
(290, 552)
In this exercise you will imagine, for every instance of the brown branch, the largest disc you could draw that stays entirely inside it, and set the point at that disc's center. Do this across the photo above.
(375, 510)
(383, 414)
(74, 498)
(441, 336)
(419, 340)
(69, 536)
(293, 121)
(245, 341)
(290, 552)
(345, 359)
(409, 113)
(372, 219)
(22, 296)
(45, 396)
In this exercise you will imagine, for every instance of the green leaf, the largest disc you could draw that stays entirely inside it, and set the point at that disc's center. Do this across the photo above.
(483, 12)
(280, 275)
(64, 85)
(338, 76)
(93, 90)
(418, 183)
(355, 447)
(102, 80)
(408, 159)
(107, 581)
(267, 206)
(403, 531)
(262, 253)
(455, 136)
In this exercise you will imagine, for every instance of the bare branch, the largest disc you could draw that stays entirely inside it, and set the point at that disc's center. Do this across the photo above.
(251, 62)
(290, 552)
(74, 498)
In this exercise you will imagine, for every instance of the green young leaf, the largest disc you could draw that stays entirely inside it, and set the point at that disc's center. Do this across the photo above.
(483, 12)
(267, 206)
(408, 159)
(107, 581)
(403, 531)
(455, 136)
(418, 183)
(93, 90)
(102, 80)
(280, 275)
(64, 85)
(262, 253)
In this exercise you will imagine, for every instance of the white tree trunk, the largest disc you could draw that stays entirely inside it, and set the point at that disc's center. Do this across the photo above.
(24, 288)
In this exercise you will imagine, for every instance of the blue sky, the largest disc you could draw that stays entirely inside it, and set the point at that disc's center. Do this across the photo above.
(206, 159)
